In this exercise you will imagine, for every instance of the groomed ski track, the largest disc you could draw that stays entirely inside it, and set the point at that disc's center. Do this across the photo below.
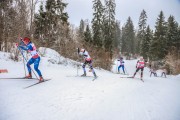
(79, 98)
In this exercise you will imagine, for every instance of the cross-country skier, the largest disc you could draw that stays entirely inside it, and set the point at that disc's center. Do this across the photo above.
(30, 47)
(87, 60)
(153, 71)
(140, 66)
(121, 65)
(164, 71)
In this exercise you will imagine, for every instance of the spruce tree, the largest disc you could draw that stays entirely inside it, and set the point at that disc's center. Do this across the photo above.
(40, 24)
(87, 34)
(109, 25)
(128, 37)
(117, 38)
(141, 32)
(81, 29)
(178, 38)
(146, 42)
(158, 48)
(172, 32)
(97, 23)
(52, 22)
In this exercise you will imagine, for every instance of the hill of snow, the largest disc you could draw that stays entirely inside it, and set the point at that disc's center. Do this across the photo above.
(68, 97)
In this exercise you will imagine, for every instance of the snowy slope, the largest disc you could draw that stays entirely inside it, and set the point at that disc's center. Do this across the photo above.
(67, 97)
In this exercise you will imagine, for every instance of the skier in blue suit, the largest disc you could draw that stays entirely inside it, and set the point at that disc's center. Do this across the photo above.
(30, 47)
(121, 65)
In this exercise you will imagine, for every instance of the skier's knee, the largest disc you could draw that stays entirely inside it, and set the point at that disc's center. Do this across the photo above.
(36, 68)
(91, 67)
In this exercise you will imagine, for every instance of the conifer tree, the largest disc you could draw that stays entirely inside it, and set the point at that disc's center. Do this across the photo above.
(172, 32)
(117, 39)
(178, 38)
(97, 23)
(54, 23)
(146, 42)
(128, 37)
(141, 31)
(87, 35)
(81, 30)
(158, 48)
(40, 24)
(109, 25)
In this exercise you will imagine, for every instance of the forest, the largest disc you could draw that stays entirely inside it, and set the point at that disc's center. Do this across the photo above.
(105, 37)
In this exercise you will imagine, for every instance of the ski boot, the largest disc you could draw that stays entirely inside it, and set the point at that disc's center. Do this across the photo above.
(29, 76)
(41, 79)
(83, 75)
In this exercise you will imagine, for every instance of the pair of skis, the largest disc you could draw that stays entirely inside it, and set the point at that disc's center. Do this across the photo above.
(94, 78)
(133, 78)
(45, 80)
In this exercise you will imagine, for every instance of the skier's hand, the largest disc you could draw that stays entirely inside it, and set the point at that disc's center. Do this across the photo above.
(17, 44)
(20, 38)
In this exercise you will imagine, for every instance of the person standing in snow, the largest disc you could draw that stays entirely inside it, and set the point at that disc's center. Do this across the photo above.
(30, 47)
(87, 60)
(140, 66)
(121, 65)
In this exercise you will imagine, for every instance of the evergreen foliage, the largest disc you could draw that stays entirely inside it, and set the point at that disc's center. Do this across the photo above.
(146, 42)
(97, 23)
(141, 32)
(81, 29)
(117, 39)
(109, 25)
(128, 37)
(172, 33)
(87, 35)
(158, 48)
(51, 22)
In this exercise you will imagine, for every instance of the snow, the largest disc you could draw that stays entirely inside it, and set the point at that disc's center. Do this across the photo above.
(68, 97)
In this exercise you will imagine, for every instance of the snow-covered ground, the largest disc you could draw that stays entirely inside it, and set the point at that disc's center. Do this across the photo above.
(67, 97)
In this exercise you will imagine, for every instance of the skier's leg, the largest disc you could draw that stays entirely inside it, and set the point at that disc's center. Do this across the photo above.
(36, 65)
(84, 65)
(123, 68)
(91, 67)
(31, 61)
(142, 72)
(119, 68)
(136, 72)
(150, 74)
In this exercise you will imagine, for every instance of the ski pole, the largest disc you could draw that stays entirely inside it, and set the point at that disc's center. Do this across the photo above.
(26, 61)
(126, 70)
(117, 67)
(24, 67)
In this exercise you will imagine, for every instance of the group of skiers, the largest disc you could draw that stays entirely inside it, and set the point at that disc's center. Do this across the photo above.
(27, 45)
(139, 66)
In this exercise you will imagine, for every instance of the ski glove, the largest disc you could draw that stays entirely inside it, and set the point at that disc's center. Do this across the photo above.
(17, 44)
